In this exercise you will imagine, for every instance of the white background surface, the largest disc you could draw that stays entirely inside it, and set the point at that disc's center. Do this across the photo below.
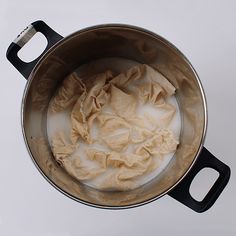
(205, 32)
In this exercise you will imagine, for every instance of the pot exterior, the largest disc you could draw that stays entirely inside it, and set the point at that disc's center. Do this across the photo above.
(62, 56)
(113, 41)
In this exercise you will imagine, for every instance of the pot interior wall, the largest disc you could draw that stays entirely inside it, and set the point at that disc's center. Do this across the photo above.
(113, 41)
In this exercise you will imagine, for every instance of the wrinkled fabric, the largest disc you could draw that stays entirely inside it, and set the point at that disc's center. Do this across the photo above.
(131, 140)
(162, 142)
(88, 104)
(61, 148)
(68, 93)
(81, 172)
(123, 103)
(117, 142)
(109, 123)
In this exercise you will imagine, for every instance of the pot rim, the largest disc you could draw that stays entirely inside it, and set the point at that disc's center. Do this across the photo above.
(142, 30)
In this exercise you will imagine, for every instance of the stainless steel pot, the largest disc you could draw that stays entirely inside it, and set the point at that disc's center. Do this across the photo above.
(62, 56)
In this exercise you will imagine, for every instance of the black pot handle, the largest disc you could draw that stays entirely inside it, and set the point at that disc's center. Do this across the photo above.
(38, 26)
(181, 191)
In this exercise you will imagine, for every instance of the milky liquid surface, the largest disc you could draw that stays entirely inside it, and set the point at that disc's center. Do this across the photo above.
(60, 121)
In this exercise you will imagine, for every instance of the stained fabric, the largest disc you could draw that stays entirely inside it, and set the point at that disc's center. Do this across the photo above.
(129, 139)
(68, 93)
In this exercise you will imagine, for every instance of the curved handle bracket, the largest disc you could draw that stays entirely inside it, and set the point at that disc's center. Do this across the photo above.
(38, 26)
(181, 191)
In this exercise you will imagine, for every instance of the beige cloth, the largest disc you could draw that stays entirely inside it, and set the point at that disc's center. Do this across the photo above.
(67, 94)
(132, 142)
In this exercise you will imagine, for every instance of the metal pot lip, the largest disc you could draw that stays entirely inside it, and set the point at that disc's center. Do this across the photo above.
(142, 30)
